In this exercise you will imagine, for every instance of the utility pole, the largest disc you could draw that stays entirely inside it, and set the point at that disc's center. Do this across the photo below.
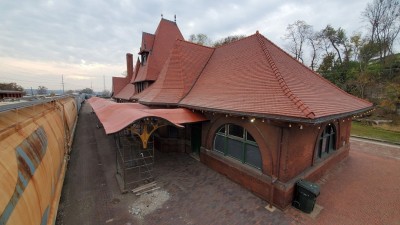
(31, 91)
(62, 82)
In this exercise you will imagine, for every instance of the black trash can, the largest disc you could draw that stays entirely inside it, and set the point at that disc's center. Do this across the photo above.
(305, 195)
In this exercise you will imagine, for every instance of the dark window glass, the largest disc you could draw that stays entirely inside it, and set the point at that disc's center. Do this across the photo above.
(236, 131)
(219, 143)
(249, 137)
(253, 156)
(233, 144)
(327, 141)
(235, 148)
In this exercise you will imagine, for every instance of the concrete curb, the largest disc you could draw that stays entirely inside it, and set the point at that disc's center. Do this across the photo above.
(375, 139)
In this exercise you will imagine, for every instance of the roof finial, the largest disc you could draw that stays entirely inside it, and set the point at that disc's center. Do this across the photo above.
(162, 16)
(175, 18)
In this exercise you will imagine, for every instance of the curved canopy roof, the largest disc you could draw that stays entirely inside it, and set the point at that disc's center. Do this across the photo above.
(117, 116)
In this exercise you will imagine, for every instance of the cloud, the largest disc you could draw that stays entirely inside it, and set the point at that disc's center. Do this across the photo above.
(90, 37)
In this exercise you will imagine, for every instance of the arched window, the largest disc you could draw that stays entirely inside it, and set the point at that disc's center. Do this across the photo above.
(327, 141)
(236, 142)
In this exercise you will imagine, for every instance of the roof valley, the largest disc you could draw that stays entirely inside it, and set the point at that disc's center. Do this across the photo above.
(197, 78)
(286, 90)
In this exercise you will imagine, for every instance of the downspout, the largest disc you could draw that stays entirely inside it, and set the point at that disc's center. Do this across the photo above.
(277, 169)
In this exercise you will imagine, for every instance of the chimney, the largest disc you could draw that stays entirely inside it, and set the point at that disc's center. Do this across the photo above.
(129, 65)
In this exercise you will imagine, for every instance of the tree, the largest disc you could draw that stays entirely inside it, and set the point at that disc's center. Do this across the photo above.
(392, 93)
(87, 91)
(42, 90)
(383, 17)
(336, 39)
(200, 39)
(69, 92)
(229, 39)
(298, 33)
(11, 87)
(106, 93)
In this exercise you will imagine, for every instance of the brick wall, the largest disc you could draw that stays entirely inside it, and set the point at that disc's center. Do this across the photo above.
(287, 151)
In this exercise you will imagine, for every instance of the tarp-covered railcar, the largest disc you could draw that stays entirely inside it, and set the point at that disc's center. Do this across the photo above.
(33, 158)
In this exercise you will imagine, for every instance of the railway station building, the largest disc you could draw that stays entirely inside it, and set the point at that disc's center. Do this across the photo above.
(266, 119)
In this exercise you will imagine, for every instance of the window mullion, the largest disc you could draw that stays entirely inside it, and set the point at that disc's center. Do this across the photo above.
(244, 152)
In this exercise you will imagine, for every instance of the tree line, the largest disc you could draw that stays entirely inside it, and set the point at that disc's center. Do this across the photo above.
(364, 65)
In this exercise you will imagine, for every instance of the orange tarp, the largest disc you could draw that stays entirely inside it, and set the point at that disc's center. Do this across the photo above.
(117, 116)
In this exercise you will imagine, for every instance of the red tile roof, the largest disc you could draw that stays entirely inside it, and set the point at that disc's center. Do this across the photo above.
(126, 93)
(147, 42)
(117, 84)
(251, 76)
(164, 38)
(254, 76)
(178, 75)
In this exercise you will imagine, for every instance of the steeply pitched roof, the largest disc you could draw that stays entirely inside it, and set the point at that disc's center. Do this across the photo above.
(147, 42)
(117, 84)
(178, 75)
(166, 34)
(126, 93)
(254, 76)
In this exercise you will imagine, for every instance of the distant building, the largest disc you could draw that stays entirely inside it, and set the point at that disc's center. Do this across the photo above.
(272, 120)
(4, 94)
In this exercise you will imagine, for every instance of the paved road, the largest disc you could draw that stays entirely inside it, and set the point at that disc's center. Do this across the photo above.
(363, 189)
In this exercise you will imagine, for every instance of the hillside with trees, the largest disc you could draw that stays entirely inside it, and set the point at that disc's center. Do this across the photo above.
(363, 64)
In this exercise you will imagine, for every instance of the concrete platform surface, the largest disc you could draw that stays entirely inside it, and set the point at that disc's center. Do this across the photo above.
(363, 189)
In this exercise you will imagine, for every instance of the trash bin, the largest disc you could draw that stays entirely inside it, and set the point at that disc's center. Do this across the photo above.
(305, 195)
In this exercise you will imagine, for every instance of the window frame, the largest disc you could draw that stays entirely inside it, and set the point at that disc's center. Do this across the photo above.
(326, 142)
(244, 142)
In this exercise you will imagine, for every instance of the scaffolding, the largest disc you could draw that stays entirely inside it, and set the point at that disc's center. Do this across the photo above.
(134, 163)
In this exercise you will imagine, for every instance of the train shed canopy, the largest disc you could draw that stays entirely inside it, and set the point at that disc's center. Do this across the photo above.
(116, 116)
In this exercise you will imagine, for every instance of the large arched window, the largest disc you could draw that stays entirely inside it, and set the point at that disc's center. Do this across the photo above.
(327, 141)
(236, 142)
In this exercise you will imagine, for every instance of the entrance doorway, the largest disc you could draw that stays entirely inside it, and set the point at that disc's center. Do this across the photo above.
(195, 137)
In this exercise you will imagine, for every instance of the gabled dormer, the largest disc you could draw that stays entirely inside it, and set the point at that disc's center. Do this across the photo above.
(146, 47)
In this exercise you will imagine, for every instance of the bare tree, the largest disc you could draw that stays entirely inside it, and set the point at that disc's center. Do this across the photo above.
(200, 39)
(298, 33)
(42, 90)
(227, 40)
(315, 43)
(383, 17)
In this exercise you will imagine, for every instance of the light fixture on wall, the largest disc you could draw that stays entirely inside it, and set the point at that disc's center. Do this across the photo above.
(301, 127)
(252, 120)
(290, 125)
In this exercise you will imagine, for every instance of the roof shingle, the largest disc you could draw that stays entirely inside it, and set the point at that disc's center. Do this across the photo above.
(254, 76)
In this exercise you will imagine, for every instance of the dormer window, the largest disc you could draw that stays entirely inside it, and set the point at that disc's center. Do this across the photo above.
(143, 56)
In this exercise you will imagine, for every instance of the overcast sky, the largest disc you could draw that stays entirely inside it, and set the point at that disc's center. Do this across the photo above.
(85, 40)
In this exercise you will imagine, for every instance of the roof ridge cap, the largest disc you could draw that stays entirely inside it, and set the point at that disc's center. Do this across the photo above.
(232, 42)
(188, 42)
(282, 83)
(318, 75)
